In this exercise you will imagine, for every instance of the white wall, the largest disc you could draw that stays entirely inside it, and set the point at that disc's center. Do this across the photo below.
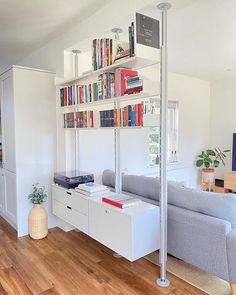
(194, 111)
(222, 119)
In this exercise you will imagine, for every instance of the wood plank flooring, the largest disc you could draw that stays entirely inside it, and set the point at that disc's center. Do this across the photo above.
(72, 263)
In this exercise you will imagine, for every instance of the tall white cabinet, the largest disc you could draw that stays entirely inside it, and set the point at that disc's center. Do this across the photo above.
(28, 141)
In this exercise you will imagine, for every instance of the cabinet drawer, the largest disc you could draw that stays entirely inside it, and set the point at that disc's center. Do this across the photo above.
(60, 194)
(70, 199)
(71, 216)
(111, 228)
(78, 203)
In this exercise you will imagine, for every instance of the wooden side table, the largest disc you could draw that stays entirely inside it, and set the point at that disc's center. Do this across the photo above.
(220, 189)
(230, 181)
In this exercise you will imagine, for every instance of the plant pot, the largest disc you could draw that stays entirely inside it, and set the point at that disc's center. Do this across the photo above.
(208, 174)
(38, 222)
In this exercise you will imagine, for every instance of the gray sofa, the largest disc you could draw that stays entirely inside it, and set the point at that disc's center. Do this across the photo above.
(201, 225)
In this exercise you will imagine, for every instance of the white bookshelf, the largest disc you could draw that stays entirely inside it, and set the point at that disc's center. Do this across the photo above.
(134, 63)
(111, 101)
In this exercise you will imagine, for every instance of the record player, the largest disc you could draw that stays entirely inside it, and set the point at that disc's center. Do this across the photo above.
(71, 179)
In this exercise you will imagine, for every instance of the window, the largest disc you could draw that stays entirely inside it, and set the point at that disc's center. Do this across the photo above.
(172, 134)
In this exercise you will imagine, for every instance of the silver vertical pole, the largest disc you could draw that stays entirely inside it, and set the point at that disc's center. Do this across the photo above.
(76, 52)
(163, 281)
(118, 179)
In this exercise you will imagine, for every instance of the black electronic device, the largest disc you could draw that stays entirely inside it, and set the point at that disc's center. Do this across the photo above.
(234, 153)
(71, 179)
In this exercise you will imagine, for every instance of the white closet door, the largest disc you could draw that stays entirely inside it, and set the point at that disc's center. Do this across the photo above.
(1, 191)
(9, 185)
(7, 113)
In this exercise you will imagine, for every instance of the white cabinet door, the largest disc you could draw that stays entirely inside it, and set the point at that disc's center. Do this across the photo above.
(9, 184)
(1, 191)
(7, 114)
(111, 228)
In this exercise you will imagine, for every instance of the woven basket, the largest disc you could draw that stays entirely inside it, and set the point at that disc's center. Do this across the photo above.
(38, 222)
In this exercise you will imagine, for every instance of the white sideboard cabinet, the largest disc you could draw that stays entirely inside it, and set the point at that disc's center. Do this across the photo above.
(132, 232)
(28, 129)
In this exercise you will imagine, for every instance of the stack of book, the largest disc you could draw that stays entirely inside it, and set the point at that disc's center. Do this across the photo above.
(85, 119)
(133, 85)
(121, 201)
(127, 82)
(106, 51)
(131, 115)
(92, 189)
(69, 120)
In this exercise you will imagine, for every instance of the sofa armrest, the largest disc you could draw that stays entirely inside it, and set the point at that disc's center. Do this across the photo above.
(231, 255)
(199, 240)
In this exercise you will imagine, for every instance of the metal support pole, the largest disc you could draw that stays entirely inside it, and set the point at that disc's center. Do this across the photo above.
(76, 52)
(118, 178)
(163, 281)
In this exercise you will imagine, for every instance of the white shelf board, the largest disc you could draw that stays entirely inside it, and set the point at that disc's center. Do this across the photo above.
(110, 128)
(134, 63)
(131, 97)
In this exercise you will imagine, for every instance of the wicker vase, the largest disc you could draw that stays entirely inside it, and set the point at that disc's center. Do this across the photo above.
(38, 222)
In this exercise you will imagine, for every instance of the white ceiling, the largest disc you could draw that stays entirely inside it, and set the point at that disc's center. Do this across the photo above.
(28, 24)
(201, 33)
(202, 39)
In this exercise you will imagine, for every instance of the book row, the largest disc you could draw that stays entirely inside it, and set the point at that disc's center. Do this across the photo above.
(106, 51)
(109, 85)
(79, 119)
(131, 115)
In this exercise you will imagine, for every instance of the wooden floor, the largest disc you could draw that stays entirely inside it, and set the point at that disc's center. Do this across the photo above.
(72, 263)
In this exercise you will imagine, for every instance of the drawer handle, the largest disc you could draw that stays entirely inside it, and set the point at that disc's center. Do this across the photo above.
(68, 193)
(69, 207)
(107, 211)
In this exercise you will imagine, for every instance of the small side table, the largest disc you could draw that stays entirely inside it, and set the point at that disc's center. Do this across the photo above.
(207, 186)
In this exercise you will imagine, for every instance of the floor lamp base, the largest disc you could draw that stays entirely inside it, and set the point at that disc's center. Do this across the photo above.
(163, 283)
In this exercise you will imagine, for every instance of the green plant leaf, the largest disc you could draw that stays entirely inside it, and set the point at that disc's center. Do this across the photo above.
(199, 163)
(210, 153)
(216, 163)
(207, 164)
(208, 159)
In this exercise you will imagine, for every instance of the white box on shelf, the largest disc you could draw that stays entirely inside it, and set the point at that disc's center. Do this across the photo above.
(151, 120)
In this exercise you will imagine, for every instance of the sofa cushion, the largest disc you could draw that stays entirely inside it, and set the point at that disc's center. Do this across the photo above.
(147, 187)
(218, 205)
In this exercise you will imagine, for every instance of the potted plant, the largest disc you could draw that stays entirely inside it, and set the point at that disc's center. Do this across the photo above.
(38, 218)
(209, 160)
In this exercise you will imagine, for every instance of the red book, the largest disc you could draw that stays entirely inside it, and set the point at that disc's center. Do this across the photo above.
(121, 201)
(124, 74)
(92, 118)
(85, 119)
(111, 202)
(134, 90)
(81, 99)
(65, 96)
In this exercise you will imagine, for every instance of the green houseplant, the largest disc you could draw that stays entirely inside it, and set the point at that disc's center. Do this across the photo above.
(209, 160)
(38, 195)
(38, 218)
